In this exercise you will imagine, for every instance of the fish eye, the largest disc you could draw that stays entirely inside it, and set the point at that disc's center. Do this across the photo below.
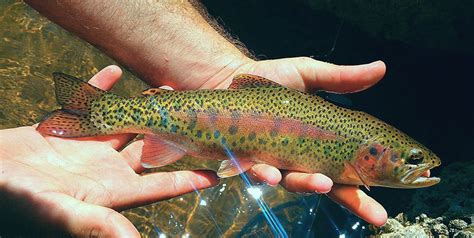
(415, 157)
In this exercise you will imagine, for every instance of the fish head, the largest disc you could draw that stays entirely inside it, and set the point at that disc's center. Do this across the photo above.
(406, 165)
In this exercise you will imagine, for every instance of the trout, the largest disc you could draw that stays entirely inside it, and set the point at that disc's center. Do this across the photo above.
(256, 119)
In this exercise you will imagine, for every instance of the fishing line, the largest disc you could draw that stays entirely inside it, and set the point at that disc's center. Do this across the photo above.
(275, 225)
(334, 225)
(330, 51)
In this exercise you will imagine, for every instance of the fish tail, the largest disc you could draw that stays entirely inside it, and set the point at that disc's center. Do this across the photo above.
(73, 119)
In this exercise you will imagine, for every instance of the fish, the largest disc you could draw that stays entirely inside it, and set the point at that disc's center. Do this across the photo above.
(256, 119)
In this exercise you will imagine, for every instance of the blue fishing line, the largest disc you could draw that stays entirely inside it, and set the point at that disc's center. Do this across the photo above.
(274, 223)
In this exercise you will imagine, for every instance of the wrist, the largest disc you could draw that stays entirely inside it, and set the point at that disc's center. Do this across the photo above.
(220, 72)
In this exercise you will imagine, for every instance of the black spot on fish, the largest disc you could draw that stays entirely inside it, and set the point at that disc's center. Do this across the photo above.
(192, 124)
(199, 134)
(174, 128)
(394, 158)
(235, 115)
(273, 132)
(233, 130)
(366, 157)
(252, 136)
(164, 122)
(149, 123)
(373, 151)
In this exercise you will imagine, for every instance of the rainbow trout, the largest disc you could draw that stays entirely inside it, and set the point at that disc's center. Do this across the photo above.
(258, 120)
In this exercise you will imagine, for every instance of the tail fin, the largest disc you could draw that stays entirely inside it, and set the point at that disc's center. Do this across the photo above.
(73, 94)
(72, 120)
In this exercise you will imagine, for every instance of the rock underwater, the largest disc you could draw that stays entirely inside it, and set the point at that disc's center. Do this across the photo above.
(449, 205)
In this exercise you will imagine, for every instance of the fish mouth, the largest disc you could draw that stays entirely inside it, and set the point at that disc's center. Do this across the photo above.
(418, 176)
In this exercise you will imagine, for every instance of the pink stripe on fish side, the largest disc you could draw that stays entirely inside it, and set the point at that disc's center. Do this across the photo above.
(262, 124)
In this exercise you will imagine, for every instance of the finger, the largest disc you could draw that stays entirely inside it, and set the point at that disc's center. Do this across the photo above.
(359, 203)
(87, 220)
(164, 185)
(107, 77)
(132, 154)
(306, 183)
(321, 75)
(265, 173)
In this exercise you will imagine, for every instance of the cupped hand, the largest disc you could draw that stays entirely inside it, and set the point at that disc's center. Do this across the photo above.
(77, 185)
(307, 74)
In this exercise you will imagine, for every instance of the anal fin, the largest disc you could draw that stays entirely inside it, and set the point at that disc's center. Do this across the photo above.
(158, 152)
(231, 168)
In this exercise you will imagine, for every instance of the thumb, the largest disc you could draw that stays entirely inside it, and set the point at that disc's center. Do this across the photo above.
(87, 220)
(338, 78)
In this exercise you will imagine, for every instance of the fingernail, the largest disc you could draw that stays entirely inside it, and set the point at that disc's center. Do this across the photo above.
(271, 185)
(322, 192)
(112, 68)
(325, 180)
(373, 64)
(325, 183)
(166, 87)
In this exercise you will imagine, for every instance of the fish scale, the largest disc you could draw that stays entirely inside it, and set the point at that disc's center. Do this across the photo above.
(257, 119)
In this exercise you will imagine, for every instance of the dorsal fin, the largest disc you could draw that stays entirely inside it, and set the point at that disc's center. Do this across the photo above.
(251, 81)
(152, 91)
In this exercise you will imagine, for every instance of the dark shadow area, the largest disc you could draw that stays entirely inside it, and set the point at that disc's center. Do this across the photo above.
(427, 92)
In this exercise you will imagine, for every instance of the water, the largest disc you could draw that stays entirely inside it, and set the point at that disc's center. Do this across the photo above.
(425, 94)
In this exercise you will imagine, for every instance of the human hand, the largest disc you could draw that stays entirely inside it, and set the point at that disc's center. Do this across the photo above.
(306, 74)
(76, 185)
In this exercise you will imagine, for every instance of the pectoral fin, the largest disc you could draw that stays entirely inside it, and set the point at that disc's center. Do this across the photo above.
(360, 175)
(158, 152)
(231, 168)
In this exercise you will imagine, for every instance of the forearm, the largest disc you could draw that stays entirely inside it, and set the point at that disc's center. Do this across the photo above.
(163, 42)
